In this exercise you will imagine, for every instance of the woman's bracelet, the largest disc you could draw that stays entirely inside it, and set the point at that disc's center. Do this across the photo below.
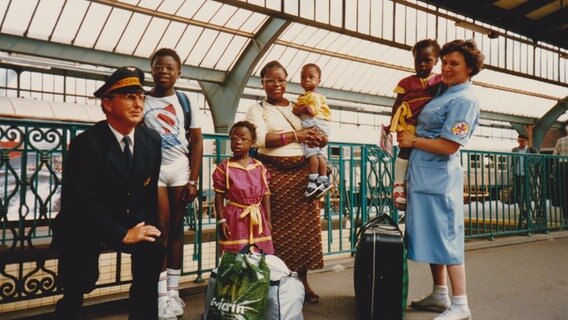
(221, 221)
(283, 139)
(295, 136)
(414, 141)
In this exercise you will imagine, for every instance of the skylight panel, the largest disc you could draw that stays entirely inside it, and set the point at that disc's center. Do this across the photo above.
(190, 8)
(254, 22)
(322, 11)
(151, 37)
(170, 6)
(92, 25)
(201, 47)
(45, 18)
(188, 42)
(150, 4)
(172, 35)
(223, 15)
(207, 11)
(217, 50)
(237, 20)
(230, 56)
(113, 29)
(132, 34)
(70, 20)
(18, 17)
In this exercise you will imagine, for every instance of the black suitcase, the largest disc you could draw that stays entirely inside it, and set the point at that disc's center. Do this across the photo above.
(381, 272)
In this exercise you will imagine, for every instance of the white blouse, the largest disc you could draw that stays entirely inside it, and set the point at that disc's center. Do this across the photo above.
(274, 119)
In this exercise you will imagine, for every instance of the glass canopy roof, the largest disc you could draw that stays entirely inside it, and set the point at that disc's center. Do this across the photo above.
(214, 34)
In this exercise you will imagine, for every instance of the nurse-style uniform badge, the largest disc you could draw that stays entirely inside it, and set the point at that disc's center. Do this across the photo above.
(460, 129)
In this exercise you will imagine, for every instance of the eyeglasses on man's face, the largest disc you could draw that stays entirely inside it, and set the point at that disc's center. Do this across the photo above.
(130, 97)
(159, 67)
(240, 139)
(272, 81)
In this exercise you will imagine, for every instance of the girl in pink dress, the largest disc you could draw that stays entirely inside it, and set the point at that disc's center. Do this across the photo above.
(242, 181)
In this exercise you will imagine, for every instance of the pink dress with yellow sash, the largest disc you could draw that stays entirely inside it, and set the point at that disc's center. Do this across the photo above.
(244, 188)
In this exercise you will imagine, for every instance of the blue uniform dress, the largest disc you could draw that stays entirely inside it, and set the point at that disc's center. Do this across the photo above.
(435, 222)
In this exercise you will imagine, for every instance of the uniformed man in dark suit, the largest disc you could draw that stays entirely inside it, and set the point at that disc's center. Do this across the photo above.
(109, 197)
(518, 168)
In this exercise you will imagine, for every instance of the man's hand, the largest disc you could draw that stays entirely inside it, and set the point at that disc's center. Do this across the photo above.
(141, 232)
(190, 193)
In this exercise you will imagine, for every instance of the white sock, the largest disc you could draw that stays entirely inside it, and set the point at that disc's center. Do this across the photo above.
(400, 167)
(440, 292)
(173, 281)
(324, 180)
(313, 176)
(162, 286)
(459, 301)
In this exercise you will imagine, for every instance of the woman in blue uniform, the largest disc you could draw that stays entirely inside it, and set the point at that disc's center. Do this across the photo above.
(435, 221)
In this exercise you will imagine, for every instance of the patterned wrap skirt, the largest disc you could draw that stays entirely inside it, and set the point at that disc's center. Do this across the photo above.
(296, 224)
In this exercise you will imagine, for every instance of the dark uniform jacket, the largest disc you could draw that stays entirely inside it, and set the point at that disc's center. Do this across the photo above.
(102, 198)
(530, 149)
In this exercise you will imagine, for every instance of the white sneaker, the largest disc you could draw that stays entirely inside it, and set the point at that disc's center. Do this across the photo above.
(177, 304)
(455, 313)
(165, 310)
(432, 304)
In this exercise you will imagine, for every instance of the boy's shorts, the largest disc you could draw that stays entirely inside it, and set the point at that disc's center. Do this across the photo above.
(324, 127)
(174, 174)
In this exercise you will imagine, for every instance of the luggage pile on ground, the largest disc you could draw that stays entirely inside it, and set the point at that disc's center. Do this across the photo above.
(252, 285)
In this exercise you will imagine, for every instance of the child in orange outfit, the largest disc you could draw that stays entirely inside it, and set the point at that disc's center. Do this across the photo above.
(312, 108)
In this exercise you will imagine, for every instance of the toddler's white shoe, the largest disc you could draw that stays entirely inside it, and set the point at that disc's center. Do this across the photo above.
(399, 196)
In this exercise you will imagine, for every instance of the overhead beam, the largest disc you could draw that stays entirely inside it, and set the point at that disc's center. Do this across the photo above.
(555, 21)
(526, 8)
(65, 52)
(355, 97)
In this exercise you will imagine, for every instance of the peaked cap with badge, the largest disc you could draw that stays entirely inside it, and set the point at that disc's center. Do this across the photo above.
(122, 80)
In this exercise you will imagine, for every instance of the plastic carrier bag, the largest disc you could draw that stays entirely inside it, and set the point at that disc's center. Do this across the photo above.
(241, 288)
(285, 296)
(286, 293)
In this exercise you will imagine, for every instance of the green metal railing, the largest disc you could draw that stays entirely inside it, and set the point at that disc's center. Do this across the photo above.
(511, 193)
(32, 153)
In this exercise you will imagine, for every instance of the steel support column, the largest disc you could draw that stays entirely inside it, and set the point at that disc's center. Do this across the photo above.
(545, 123)
(224, 98)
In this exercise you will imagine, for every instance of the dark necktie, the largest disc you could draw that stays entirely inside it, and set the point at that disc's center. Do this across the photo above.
(127, 152)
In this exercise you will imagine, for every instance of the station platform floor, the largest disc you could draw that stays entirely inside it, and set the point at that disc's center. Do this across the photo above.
(520, 277)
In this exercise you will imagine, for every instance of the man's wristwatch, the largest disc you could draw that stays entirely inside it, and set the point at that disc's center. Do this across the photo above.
(193, 182)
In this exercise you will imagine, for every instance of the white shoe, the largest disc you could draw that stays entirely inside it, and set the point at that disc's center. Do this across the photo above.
(432, 304)
(177, 304)
(455, 313)
(165, 310)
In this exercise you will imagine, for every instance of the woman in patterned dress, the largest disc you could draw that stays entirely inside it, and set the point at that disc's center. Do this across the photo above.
(296, 221)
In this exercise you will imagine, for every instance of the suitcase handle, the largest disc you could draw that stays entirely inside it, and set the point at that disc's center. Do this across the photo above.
(378, 220)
